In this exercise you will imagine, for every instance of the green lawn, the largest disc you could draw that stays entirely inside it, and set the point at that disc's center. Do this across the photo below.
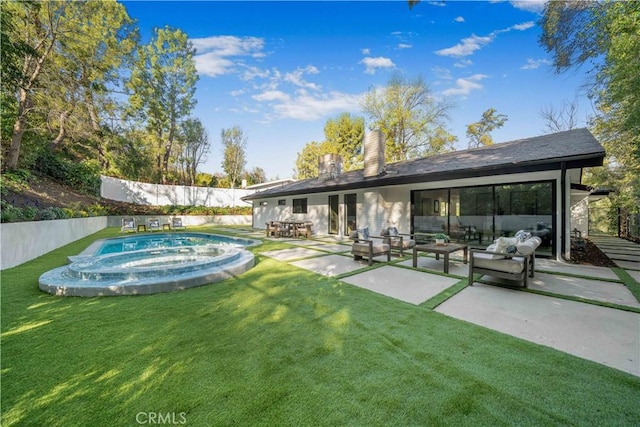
(280, 346)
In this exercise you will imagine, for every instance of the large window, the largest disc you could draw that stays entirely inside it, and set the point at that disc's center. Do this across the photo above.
(300, 206)
(478, 215)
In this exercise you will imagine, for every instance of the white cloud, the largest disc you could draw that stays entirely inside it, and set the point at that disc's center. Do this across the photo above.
(464, 86)
(532, 64)
(441, 73)
(535, 6)
(373, 64)
(459, 19)
(466, 46)
(309, 107)
(217, 55)
(463, 63)
(404, 46)
(271, 95)
(469, 45)
(297, 77)
(523, 26)
(366, 51)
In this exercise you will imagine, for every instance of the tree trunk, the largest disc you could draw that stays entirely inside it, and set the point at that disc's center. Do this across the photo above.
(18, 130)
(61, 132)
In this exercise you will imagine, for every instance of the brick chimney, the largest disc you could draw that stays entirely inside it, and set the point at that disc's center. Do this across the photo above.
(373, 153)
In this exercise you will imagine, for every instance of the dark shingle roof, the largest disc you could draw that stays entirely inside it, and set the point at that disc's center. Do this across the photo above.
(576, 148)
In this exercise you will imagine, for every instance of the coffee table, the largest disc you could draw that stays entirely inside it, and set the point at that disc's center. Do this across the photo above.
(439, 249)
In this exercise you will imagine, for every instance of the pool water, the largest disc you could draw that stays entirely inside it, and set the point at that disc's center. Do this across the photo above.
(150, 263)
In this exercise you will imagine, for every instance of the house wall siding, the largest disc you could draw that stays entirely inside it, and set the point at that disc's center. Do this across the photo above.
(391, 205)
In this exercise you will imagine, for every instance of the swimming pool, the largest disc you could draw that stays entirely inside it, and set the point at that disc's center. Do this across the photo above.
(150, 263)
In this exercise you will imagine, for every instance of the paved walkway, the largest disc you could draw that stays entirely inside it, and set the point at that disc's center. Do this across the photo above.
(623, 253)
(610, 336)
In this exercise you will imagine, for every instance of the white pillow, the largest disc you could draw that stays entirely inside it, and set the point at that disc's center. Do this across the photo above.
(502, 243)
(364, 233)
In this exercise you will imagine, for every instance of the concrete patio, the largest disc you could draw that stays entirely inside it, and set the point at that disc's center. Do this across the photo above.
(543, 314)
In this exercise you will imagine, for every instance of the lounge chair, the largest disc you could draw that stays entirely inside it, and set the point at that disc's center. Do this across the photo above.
(153, 224)
(128, 225)
(176, 224)
(364, 246)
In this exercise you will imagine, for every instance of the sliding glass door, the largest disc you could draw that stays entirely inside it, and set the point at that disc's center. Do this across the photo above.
(478, 215)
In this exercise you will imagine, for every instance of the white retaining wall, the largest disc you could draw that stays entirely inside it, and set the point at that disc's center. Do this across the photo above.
(23, 241)
(161, 195)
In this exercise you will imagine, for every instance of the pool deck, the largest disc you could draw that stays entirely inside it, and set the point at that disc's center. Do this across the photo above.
(582, 310)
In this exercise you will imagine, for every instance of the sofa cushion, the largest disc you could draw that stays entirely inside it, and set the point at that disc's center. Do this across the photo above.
(505, 265)
(363, 247)
(406, 243)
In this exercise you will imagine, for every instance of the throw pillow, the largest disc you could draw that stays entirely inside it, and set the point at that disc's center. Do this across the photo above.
(364, 233)
(522, 235)
(393, 231)
(502, 243)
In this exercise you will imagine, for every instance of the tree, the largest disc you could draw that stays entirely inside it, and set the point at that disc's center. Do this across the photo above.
(69, 52)
(255, 176)
(194, 142)
(162, 87)
(408, 115)
(307, 161)
(234, 143)
(560, 120)
(604, 34)
(479, 132)
(343, 136)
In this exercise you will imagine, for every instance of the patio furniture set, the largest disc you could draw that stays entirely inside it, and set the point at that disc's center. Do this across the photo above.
(510, 258)
(130, 225)
(289, 228)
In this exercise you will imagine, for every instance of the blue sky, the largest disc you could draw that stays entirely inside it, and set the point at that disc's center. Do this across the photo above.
(279, 70)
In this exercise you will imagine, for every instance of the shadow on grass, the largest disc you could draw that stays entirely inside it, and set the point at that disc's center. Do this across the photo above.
(280, 345)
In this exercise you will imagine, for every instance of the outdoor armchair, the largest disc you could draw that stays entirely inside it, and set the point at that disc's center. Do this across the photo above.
(398, 241)
(364, 247)
(128, 225)
(505, 259)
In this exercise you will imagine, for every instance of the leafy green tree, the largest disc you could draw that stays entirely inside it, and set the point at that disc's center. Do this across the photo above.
(479, 133)
(604, 35)
(408, 115)
(234, 159)
(307, 161)
(70, 54)
(343, 136)
(162, 87)
(255, 176)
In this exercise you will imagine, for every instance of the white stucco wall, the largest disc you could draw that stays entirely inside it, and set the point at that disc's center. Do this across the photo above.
(161, 195)
(392, 204)
(23, 241)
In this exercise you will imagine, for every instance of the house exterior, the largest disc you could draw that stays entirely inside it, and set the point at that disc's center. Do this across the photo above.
(472, 195)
